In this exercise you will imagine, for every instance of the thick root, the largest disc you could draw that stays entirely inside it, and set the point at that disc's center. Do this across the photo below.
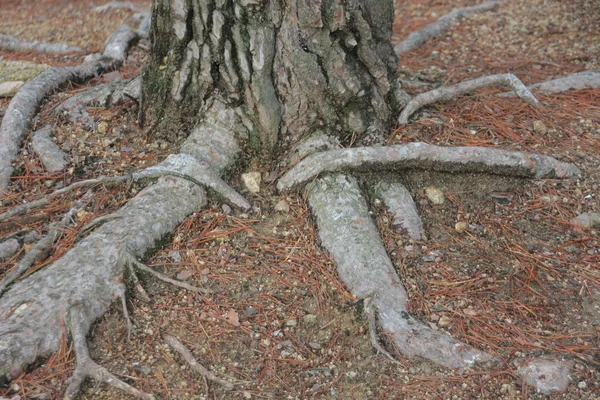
(348, 233)
(577, 81)
(89, 276)
(426, 156)
(451, 92)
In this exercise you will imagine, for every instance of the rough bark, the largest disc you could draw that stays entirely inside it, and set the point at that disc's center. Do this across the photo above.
(348, 233)
(33, 310)
(294, 67)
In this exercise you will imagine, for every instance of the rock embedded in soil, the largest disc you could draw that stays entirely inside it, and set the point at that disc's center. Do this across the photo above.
(547, 375)
(461, 227)
(539, 127)
(587, 220)
(252, 181)
(435, 195)
(282, 206)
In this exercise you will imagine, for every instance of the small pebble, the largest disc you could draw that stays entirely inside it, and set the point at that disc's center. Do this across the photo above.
(282, 206)
(582, 385)
(184, 275)
(435, 195)
(252, 181)
(461, 227)
(539, 127)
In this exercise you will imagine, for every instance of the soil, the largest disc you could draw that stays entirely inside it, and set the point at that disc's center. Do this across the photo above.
(520, 282)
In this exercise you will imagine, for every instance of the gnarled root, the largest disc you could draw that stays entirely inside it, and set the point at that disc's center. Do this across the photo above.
(86, 367)
(426, 156)
(352, 239)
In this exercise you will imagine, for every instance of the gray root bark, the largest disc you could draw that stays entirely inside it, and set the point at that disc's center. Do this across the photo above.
(576, 81)
(106, 95)
(51, 156)
(295, 66)
(416, 39)
(11, 43)
(348, 233)
(32, 310)
(426, 156)
(54, 233)
(399, 202)
(25, 103)
(451, 92)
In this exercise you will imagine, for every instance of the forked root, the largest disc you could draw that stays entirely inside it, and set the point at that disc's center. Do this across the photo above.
(143, 267)
(427, 156)
(85, 367)
(348, 233)
(228, 384)
(451, 92)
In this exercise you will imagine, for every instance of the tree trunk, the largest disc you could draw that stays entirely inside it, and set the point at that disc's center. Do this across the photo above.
(294, 67)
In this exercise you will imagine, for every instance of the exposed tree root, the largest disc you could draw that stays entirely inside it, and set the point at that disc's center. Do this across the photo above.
(371, 315)
(399, 202)
(83, 283)
(416, 39)
(25, 103)
(348, 233)
(143, 267)
(136, 282)
(577, 81)
(8, 248)
(51, 156)
(426, 156)
(54, 233)
(182, 166)
(85, 367)
(127, 5)
(228, 384)
(11, 43)
(451, 92)
(106, 95)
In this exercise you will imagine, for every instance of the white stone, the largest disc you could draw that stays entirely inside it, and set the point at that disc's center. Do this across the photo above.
(252, 181)
(282, 206)
(435, 195)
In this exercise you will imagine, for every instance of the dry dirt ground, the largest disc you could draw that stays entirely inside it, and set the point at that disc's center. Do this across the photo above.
(522, 281)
